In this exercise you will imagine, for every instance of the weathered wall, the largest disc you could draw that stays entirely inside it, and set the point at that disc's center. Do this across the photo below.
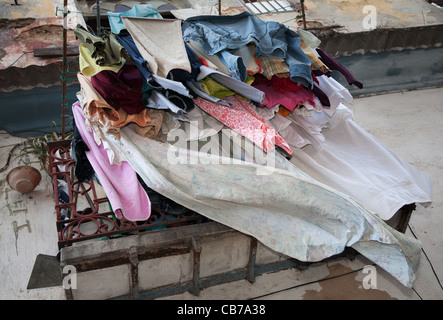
(390, 13)
(28, 9)
(30, 25)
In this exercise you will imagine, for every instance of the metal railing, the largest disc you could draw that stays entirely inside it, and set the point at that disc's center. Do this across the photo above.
(85, 215)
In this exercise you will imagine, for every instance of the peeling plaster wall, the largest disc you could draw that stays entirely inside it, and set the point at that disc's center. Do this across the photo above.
(30, 25)
(390, 13)
(28, 9)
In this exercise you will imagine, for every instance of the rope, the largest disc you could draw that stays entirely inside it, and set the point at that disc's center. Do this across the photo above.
(10, 155)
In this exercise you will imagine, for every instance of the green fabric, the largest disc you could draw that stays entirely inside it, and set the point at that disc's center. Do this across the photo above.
(105, 49)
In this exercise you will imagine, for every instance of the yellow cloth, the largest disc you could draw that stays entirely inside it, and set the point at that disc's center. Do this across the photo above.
(89, 67)
(215, 89)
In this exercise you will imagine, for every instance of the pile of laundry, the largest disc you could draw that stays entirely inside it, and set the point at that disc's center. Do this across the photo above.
(239, 120)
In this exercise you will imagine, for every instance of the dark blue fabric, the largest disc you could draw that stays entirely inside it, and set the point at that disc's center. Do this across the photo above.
(128, 43)
(183, 75)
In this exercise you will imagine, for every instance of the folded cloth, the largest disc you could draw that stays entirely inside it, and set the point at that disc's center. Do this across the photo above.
(218, 33)
(105, 49)
(88, 65)
(289, 99)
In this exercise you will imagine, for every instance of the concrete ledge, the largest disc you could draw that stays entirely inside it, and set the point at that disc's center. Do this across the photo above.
(166, 262)
(171, 261)
(381, 40)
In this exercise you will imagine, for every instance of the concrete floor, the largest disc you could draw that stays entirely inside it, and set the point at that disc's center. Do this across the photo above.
(407, 122)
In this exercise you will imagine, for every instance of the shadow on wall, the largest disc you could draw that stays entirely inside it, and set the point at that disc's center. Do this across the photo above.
(394, 70)
(33, 112)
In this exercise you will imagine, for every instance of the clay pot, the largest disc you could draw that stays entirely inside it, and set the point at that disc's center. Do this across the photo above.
(24, 179)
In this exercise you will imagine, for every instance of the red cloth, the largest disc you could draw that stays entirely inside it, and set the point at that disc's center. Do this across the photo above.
(279, 84)
(122, 89)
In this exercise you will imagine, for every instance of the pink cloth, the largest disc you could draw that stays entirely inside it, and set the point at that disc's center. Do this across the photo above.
(288, 99)
(120, 183)
(242, 118)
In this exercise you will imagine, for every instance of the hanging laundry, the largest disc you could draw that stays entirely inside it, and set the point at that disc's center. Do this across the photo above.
(242, 118)
(321, 96)
(316, 62)
(88, 65)
(234, 64)
(201, 125)
(353, 162)
(335, 92)
(153, 81)
(283, 111)
(122, 89)
(309, 131)
(278, 83)
(105, 49)
(152, 129)
(138, 10)
(158, 100)
(289, 99)
(93, 104)
(289, 131)
(272, 66)
(127, 197)
(218, 33)
(287, 210)
(97, 110)
(198, 89)
(215, 89)
(248, 55)
(182, 75)
(211, 61)
(309, 38)
(160, 42)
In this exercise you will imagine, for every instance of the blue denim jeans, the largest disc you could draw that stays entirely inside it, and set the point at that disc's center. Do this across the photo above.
(218, 33)
(235, 65)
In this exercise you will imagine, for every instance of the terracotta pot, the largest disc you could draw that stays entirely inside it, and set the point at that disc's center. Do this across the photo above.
(24, 179)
